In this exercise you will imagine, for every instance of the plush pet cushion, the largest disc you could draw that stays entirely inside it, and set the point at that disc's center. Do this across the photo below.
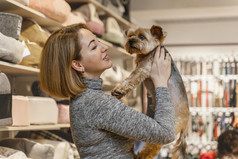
(55, 9)
(62, 149)
(6, 101)
(30, 148)
(113, 76)
(55, 135)
(91, 18)
(35, 38)
(9, 153)
(33, 32)
(20, 111)
(63, 116)
(33, 60)
(96, 28)
(43, 110)
(113, 32)
(11, 50)
(74, 17)
(10, 24)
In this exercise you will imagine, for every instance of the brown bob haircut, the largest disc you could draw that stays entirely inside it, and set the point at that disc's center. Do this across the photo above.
(57, 77)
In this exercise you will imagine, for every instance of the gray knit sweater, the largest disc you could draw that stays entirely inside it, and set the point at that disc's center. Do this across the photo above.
(105, 128)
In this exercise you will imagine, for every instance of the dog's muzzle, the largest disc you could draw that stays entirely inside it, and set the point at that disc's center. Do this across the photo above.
(132, 41)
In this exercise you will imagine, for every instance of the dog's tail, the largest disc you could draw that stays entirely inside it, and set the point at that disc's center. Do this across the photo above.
(179, 149)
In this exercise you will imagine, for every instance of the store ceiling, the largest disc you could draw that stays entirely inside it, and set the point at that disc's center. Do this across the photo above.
(148, 12)
(190, 22)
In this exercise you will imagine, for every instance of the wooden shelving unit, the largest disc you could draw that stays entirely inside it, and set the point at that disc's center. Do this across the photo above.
(16, 69)
(34, 127)
(100, 7)
(11, 6)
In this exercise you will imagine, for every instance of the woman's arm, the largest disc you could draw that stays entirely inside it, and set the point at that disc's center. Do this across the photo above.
(108, 113)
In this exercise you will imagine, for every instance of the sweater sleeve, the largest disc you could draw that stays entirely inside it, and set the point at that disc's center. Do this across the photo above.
(108, 113)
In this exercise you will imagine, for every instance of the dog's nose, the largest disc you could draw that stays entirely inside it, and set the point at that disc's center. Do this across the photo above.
(131, 41)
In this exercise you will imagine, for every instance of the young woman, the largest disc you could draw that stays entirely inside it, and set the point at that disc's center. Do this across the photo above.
(102, 126)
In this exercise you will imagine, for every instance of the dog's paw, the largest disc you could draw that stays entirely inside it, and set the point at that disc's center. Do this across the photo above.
(118, 92)
(142, 155)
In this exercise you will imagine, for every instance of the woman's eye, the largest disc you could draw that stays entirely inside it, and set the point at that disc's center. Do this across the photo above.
(94, 47)
(141, 37)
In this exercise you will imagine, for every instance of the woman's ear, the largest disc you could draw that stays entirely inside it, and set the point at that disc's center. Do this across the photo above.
(77, 66)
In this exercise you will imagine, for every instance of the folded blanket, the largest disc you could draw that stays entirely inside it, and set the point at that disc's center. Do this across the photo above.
(11, 50)
(10, 24)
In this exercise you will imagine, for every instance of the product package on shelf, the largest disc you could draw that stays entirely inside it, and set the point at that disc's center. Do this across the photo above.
(113, 32)
(5, 100)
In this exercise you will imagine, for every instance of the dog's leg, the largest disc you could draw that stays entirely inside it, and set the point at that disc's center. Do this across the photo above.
(136, 77)
(149, 151)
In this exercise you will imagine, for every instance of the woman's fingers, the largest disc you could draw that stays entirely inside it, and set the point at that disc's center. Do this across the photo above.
(157, 53)
(162, 53)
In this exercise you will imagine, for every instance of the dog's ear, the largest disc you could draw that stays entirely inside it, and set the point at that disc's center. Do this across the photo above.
(157, 32)
(126, 31)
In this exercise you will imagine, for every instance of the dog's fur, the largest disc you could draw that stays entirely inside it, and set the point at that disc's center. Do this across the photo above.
(143, 42)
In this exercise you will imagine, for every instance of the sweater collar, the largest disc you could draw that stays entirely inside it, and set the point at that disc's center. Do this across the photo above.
(94, 83)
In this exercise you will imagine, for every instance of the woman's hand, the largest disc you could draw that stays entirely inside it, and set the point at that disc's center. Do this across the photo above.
(161, 68)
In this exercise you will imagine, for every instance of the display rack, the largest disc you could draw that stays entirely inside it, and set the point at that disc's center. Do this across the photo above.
(11, 6)
(16, 69)
(34, 127)
(124, 23)
(14, 7)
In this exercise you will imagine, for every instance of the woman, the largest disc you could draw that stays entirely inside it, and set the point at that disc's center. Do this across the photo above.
(102, 126)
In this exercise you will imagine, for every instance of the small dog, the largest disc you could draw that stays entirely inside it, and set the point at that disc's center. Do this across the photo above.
(143, 42)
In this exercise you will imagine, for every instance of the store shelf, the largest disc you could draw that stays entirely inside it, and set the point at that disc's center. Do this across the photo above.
(16, 69)
(213, 109)
(34, 127)
(207, 77)
(116, 51)
(14, 7)
(100, 7)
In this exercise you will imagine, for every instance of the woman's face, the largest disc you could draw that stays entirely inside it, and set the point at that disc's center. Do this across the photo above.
(94, 55)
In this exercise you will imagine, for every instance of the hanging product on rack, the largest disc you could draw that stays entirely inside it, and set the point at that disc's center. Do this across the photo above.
(6, 101)
(210, 83)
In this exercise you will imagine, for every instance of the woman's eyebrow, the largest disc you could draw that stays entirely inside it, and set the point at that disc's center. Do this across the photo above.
(91, 42)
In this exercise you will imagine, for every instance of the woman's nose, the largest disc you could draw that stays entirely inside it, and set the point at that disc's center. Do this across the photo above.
(104, 47)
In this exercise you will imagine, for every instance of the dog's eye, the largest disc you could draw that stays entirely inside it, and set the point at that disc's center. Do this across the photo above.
(141, 37)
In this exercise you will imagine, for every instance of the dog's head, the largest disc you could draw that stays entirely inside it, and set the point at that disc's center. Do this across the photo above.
(143, 41)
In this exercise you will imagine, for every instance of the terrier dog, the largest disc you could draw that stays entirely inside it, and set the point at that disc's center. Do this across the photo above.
(143, 42)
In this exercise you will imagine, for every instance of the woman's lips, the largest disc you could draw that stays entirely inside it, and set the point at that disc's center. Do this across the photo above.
(106, 58)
